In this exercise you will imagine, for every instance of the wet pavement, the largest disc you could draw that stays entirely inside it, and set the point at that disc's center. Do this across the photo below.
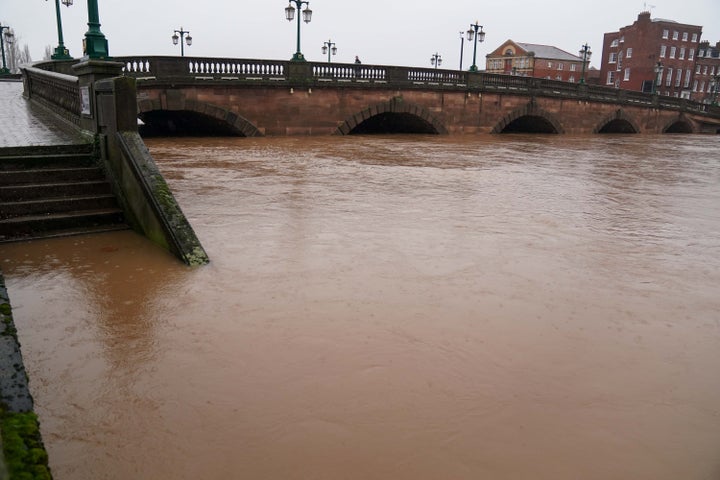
(24, 124)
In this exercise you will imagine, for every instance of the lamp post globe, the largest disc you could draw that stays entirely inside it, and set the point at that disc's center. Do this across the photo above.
(179, 36)
(585, 54)
(476, 35)
(306, 17)
(329, 48)
(436, 60)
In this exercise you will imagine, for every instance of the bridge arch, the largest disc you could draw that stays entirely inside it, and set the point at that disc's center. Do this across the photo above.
(394, 116)
(617, 122)
(529, 119)
(679, 125)
(194, 112)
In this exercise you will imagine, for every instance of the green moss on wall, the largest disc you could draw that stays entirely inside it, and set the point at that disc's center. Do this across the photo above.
(25, 455)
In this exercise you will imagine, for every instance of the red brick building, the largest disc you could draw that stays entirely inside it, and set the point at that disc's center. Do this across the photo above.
(632, 55)
(531, 60)
(707, 73)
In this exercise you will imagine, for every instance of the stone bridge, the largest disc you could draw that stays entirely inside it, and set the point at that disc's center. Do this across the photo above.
(261, 97)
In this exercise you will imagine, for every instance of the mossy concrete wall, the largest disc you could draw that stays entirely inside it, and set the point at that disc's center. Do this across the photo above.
(22, 453)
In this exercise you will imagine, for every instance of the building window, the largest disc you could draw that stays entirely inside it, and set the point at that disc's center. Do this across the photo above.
(663, 51)
(694, 37)
(697, 70)
(695, 85)
(685, 37)
(666, 34)
(549, 64)
(571, 79)
(613, 57)
(627, 75)
(712, 71)
(668, 79)
(628, 53)
(659, 78)
(573, 67)
(691, 54)
(672, 52)
(614, 43)
(705, 70)
(682, 53)
(687, 78)
(676, 35)
(678, 77)
(702, 86)
(558, 77)
(611, 78)
(561, 66)
(701, 53)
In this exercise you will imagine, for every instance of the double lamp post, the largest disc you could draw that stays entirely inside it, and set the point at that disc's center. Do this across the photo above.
(95, 45)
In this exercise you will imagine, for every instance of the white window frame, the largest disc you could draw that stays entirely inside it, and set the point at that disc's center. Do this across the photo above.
(685, 36)
(691, 54)
(663, 51)
(668, 78)
(666, 34)
(673, 51)
(626, 77)
(678, 77)
(628, 53)
(694, 37)
(611, 78)
(676, 35)
(613, 57)
(682, 53)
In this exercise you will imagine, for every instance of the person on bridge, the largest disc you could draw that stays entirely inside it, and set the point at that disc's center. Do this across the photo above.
(357, 60)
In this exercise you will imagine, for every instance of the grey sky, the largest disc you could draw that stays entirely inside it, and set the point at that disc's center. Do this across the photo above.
(399, 32)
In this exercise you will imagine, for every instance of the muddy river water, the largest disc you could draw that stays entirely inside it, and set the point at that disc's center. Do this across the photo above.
(392, 307)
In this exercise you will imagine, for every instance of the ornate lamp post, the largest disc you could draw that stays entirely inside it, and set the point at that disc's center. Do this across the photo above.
(9, 37)
(329, 47)
(95, 45)
(658, 69)
(61, 53)
(436, 60)
(462, 47)
(306, 15)
(477, 36)
(176, 39)
(585, 53)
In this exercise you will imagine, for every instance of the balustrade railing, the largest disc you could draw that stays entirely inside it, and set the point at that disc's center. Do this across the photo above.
(58, 91)
(61, 90)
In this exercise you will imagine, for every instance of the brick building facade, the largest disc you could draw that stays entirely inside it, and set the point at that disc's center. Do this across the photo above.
(632, 55)
(707, 73)
(531, 60)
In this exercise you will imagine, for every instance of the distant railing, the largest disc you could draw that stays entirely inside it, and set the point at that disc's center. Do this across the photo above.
(58, 91)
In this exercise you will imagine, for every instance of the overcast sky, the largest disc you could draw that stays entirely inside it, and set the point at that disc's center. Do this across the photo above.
(387, 32)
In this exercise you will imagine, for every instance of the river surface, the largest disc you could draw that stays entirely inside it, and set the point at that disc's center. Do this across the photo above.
(392, 307)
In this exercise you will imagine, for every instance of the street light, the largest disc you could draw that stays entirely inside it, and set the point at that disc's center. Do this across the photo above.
(473, 34)
(462, 46)
(176, 39)
(585, 53)
(9, 37)
(61, 53)
(329, 48)
(306, 16)
(436, 60)
(95, 45)
(658, 69)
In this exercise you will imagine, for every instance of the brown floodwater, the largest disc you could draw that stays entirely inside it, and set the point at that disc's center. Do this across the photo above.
(392, 307)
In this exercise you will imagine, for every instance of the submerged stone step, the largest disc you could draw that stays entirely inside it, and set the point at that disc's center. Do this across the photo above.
(33, 225)
(50, 175)
(15, 193)
(56, 205)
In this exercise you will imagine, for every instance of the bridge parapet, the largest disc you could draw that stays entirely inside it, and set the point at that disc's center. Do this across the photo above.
(265, 72)
(57, 91)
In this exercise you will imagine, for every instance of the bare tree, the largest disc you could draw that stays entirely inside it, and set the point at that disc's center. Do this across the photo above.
(48, 52)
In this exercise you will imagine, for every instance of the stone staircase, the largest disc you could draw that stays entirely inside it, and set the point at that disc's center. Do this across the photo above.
(54, 191)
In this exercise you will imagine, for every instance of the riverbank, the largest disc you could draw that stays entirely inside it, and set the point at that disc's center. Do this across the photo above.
(22, 447)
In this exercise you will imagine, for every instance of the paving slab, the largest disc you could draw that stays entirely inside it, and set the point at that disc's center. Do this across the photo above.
(25, 124)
